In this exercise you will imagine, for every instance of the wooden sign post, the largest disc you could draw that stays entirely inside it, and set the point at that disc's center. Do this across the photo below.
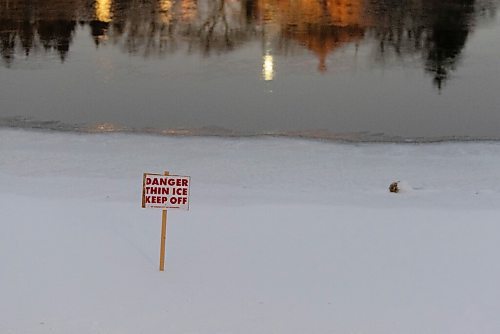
(165, 192)
(163, 235)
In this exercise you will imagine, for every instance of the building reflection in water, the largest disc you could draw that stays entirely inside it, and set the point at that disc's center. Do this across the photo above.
(435, 31)
(321, 26)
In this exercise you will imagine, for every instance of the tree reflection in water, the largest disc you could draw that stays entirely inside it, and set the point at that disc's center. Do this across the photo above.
(436, 31)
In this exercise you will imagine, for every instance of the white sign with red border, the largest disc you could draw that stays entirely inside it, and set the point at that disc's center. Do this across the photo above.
(165, 191)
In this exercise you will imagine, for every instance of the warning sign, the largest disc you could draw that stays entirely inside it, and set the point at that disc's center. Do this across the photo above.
(165, 191)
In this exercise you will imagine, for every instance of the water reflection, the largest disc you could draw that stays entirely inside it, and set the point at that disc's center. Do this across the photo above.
(434, 31)
(437, 31)
(268, 67)
(103, 10)
(322, 26)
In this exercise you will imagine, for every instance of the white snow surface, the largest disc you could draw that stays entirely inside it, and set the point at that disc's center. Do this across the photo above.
(283, 236)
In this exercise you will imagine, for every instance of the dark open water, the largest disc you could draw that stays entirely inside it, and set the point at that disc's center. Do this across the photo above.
(348, 69)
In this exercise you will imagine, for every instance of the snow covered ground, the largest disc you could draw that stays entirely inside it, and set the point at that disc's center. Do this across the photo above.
(283, 236)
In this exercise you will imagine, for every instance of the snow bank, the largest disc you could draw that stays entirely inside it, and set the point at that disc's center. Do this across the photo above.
(283, 236)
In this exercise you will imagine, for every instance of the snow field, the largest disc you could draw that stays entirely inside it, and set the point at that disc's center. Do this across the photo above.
(282, 236)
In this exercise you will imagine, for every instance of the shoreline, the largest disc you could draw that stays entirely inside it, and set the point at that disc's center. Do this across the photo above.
(320, 135)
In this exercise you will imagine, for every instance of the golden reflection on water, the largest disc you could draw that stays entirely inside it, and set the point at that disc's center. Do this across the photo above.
(103, 10)
(165, 7)
(268, 67)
